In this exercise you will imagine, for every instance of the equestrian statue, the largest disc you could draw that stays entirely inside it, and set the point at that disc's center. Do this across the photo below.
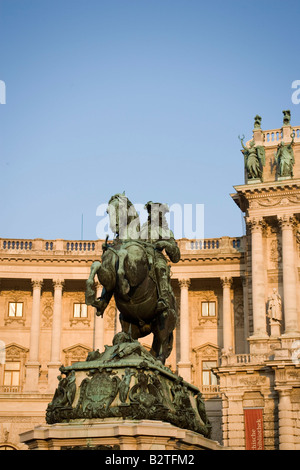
(135, 271)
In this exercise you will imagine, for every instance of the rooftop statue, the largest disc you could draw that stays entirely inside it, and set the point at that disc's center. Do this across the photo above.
(286, 117)
(134, 270)
(257, 122)
(284, 158)
(254, 159)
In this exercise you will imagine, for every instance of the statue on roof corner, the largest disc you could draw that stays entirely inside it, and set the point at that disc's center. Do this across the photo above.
(257, 122)
(284, 158)
(286, 117)
(135, 271)
(254, 159)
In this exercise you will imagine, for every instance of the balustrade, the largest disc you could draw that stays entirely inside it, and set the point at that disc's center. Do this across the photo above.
(274, 136)
(17, 245)
(21, 246)
(214, 244)
(10, 389)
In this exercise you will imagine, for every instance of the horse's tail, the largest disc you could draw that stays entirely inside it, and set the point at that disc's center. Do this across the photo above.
(90, 294)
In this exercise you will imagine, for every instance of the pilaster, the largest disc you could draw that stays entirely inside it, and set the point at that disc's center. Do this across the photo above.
(228, 326)
(184, 366)
(33, 364)
(55, 359)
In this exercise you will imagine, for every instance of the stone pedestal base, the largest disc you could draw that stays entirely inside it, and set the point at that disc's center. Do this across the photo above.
(115, 434)
(275, 329)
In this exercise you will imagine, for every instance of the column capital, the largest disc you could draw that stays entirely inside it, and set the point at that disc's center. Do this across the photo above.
(256, 224)
(287, 221)
(284, 391)
(226, 281)
(58, 283)
(37, 283)
(184, 282)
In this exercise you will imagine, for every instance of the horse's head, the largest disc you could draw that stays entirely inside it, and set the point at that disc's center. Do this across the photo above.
(123, 217)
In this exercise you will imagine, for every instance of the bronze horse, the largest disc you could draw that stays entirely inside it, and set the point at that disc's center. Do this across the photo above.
(127, 272)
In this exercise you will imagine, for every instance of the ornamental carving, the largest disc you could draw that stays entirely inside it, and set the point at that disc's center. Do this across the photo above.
(37, 283)
(275, 251)
(110, 316)
(75, 353)
(238, 303)
(256, 224)
(15, 353)
(287, 222)
(253, 381)
(289, 198)
(47, 310)
(226, 281)
(184, 283)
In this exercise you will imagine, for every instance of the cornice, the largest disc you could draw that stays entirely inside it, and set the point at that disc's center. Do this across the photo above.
(289, 185)
(266, 193)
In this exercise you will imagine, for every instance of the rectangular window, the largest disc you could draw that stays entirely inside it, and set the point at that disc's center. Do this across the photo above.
(208, 309)
(80, 311)
(208, 377)
(12, 374)
(15, 309)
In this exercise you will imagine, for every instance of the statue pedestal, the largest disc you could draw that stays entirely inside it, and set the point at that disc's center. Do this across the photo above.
(115, 434)
(275, 328)
(123, 399)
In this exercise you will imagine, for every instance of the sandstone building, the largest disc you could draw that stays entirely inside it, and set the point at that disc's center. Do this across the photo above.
(238, 336)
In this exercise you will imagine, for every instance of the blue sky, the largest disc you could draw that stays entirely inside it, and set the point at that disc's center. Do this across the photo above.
(146, 96)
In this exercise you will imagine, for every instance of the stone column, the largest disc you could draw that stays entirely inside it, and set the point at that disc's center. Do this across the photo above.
(55, 358)
(287, 224)
(184, 366)
(285, 420)
(228, 325)
(258, 278)
(98, 325)
(33, 365)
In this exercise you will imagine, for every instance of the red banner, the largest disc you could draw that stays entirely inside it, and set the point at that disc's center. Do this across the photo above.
(254, 428)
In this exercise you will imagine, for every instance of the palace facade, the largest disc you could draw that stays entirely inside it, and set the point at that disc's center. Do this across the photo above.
(238, 336)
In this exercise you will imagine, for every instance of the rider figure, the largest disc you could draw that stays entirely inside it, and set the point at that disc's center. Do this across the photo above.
(156, 231)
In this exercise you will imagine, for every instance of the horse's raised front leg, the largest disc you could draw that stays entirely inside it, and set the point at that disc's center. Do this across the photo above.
(90, 295)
